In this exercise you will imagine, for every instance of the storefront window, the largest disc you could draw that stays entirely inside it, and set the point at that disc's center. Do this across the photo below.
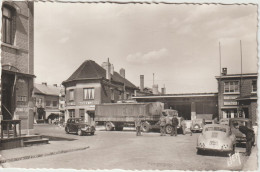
(230, 113)
(48, 103)
(54, 103)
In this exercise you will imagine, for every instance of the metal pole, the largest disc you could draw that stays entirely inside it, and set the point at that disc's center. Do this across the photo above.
(219, 76)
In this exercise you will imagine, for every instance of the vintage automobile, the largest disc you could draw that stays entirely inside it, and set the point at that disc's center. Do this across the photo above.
(240, 137)
(217, 138)
(197, 125)
(224, 121)
(77, 125)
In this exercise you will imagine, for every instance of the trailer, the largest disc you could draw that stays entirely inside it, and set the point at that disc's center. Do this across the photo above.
(115, 116)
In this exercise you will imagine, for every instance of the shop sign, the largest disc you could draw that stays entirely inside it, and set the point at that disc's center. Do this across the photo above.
(230, 97)
(230, 103)
(71, 104)
(89, 102)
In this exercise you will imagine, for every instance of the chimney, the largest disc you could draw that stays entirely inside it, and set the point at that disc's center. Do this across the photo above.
(122, 72)
(224, 71)
(163, 91)
(141, 83)
(112, 69)
(55, 85)
(155, 89)
(44, 83)
(108, 70)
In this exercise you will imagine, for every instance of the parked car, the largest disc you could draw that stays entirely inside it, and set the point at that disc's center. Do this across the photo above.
(217, 138)
(240, 137)
(197, 125)
(77, 125)
(224, 121)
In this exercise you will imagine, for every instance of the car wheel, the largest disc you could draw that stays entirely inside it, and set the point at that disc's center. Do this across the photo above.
(67, 130)
(168, 129)
(199, 152)
(80, 133)
(92, 133)
(234, 149)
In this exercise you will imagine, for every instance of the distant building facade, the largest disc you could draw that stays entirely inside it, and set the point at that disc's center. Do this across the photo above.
(189, 106)
(47, 102)
(17, 62)
(92, 84)
(237, 95)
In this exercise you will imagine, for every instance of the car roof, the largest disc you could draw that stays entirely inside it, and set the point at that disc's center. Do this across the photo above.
(217, 125)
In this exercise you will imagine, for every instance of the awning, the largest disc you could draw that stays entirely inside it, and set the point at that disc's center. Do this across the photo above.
(229, 107)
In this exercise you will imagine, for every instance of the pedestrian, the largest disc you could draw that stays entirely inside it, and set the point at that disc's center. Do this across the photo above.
(163, 124)
(138, 122)
(175, 123)
(249, 136)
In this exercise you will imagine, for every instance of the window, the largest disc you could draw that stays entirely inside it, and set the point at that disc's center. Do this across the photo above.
(39, 102)
(89, 93)
(231, 87)
(48, 103)
(71, 95)
(72, 113)
(254, 86)
(54, 103)
(7, 28)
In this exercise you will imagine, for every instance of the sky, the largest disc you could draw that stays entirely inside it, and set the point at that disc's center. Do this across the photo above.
(178, 43)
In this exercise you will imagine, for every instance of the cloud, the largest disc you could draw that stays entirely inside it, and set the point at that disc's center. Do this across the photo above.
(149, 57)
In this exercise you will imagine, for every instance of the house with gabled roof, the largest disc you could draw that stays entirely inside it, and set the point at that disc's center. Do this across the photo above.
(92, 84)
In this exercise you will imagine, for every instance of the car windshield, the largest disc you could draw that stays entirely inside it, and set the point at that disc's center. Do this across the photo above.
(216, 129)
(78, 120)
(240, 123)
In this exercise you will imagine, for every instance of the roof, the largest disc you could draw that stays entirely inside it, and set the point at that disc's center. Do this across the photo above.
(91, 70)
(46, 89)
(244, 75)
(178, 95)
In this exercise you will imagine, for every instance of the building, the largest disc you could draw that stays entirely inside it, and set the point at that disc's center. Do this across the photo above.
(92, 84)
(17, 62)
(189, 106)
(47, 102)
(237, 95)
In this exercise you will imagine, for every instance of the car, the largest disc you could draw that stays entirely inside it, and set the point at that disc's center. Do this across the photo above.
(217, 138)
(224, 121)
(197, 125)
(77, 125)
(241, 138)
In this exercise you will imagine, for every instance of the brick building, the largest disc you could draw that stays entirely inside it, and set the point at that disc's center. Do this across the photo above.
(17, 62)
(47, 102)
(237, 95)
(92, 84)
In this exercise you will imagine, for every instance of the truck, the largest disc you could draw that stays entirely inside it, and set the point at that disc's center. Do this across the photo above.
(115, 116)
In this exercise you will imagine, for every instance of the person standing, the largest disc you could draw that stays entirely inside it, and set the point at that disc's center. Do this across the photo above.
(138, 122)
(175, 123)
(163, 124)
(249, 137)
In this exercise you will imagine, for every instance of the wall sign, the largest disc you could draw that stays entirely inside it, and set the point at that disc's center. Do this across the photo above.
(230, 97)
(89, 102)
(230, 103)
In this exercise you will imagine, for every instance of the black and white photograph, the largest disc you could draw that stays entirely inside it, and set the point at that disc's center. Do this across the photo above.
(129, 85)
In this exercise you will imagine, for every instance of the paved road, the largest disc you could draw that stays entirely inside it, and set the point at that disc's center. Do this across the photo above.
(123, 150)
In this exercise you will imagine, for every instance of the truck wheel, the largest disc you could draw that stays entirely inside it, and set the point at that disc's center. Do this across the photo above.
(118, 128)
(145, 127)
(109, 126)
(168, 129)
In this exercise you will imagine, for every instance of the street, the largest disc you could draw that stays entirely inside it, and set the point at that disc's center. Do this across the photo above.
(123, 150)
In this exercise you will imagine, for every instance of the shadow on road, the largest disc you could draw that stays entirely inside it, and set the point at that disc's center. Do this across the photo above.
(54, 138)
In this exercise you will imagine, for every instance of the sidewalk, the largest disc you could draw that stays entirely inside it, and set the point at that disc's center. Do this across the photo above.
(252, 161)
(55, 147)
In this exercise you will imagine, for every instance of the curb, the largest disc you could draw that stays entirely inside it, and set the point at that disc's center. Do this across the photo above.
(41, 155)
